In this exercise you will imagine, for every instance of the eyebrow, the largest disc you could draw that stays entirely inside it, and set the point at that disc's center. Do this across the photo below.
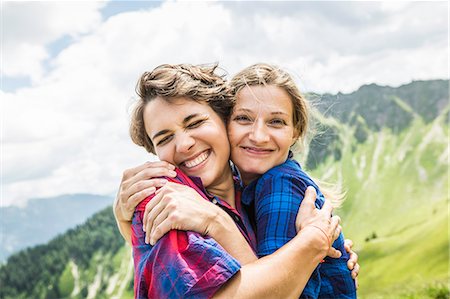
(162, 132)
(249, 110)
(185, 120)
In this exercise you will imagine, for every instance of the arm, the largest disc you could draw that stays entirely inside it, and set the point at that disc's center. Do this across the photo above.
(137, 184)
(272, 275)
(180, 265)
(282, 274)
(180, 207)
(285, 273)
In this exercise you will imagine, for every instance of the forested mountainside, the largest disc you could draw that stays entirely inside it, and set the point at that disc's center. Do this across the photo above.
(42, 219)
(389, 149)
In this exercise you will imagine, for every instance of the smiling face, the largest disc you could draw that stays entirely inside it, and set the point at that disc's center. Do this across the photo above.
(261, 130)
(191, 136)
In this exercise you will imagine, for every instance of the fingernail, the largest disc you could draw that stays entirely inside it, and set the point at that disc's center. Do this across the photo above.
(172, 173)
(351, 264)
(152, 242)
(172, 166)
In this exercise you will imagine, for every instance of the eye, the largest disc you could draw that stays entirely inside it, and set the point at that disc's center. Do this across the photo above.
(277, 122)
(195, 124)
(164, 140)
(242, 119)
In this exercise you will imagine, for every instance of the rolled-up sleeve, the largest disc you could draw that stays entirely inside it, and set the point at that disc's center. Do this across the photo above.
(180, 265)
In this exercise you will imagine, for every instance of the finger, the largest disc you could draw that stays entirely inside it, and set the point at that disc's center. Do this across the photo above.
(334, 253)
(160, 217)
(163, 228)
(327, 207)
(153, 214)
(355, 271)
(145, 184)
(334, 225)
(356, 283)
(309, 200)
(161, 164)
(157, 231)
(151, 173)
(128, 173)
(150, 206)
(352, 260)
(348, 244)
(337, 232)
(136, 198)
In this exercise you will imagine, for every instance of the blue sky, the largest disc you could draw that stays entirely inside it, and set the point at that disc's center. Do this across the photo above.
(69, 69)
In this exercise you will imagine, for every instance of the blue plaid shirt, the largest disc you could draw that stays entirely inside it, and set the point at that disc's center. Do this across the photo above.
(274, 200)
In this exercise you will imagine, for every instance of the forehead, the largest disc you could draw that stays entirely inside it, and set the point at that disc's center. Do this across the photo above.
(266, 97)
(160, 114)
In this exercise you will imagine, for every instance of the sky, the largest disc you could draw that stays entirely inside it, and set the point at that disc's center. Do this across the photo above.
(69, 70)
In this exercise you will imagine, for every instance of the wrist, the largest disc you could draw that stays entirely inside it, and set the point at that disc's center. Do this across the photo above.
(317, 239)
(219, 224)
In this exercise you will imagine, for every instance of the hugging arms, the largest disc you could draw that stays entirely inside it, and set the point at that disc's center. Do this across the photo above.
(195, 139)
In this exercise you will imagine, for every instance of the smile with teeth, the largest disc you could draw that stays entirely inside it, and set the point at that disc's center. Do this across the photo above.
(197, 160)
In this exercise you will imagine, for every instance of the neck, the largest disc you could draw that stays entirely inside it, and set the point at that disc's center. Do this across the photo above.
(224, 188)
(247, 178)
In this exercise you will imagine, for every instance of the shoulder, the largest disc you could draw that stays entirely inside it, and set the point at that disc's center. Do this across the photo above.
(286, 177)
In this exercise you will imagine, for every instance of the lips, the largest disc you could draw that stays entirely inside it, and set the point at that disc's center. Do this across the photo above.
(257, 150)
(191, 163)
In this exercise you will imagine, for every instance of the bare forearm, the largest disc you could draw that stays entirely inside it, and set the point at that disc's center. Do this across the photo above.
(124, 226)
(282, 274)
(226, 233)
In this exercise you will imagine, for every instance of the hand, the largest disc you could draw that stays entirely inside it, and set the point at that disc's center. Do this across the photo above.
(137, 184)
(309, 216)
(352, 263)
(180, 207)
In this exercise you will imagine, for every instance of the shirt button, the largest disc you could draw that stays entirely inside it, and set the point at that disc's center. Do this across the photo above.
(214, 201)
(236, 218)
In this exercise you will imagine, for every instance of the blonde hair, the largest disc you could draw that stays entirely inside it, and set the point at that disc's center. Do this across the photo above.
(200, 83)
(268, 74)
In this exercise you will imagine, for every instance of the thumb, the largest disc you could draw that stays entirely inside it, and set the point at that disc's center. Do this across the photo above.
(309, 200)
(334, 253)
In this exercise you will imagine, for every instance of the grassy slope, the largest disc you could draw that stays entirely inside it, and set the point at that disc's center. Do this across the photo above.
(106, 277)
(397, 189)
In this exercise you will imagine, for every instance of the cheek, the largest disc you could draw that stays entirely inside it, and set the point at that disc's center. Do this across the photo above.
(233, 134)
(165, 153)
(285, 140)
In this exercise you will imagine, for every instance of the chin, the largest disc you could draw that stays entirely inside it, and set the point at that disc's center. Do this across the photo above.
(254, 171)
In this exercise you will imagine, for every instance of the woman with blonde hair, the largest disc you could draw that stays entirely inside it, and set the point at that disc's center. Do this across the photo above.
(181, 116)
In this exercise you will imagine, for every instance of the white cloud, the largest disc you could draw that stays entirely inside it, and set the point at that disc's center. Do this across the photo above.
(68, 132)
(29, 28)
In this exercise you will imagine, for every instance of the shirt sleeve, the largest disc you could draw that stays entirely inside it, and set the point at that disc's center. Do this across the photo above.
(180, 265)
(277, 200)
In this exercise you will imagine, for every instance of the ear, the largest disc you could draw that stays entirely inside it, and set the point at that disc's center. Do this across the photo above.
(295, 137)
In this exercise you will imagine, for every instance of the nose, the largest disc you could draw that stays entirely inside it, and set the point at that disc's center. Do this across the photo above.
(258, 133)
(184, 143)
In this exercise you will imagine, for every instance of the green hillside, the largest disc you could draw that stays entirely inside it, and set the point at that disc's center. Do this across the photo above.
(389, 149)
(396, 209)
(89, 261)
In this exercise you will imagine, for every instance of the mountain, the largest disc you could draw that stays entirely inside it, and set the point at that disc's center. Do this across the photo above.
(396, 209)
(370, 109)
(43, 218)
(393, 163)
(88, 261)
